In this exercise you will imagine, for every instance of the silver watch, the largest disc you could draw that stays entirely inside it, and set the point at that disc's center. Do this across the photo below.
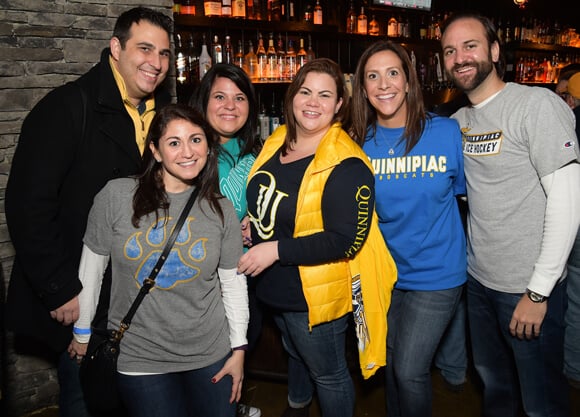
(535, 297)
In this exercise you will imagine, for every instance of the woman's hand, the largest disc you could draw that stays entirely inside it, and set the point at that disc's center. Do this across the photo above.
(77, 350)
(234, 366)
(246, 232)
(258, 258)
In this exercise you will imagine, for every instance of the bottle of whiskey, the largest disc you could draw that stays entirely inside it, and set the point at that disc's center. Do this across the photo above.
(291, 61)
(239, 9)
(204, 59)
(310, 55)
(301, 57)
(262, 60)
(228, 52)
(216, 51)
(272, 57)
(251, 63)
(362, 22)
(239, 56)
(351, 19)
(212, 8)
(317, 15)
(281, 59)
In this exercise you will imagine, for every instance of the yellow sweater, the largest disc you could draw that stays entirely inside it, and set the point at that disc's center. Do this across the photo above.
(328, 288)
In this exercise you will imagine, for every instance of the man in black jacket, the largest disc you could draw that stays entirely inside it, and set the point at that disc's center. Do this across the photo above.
(78, 137)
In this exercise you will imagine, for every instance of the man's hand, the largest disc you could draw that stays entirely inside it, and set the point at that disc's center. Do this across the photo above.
(67, 313)
(527, 318)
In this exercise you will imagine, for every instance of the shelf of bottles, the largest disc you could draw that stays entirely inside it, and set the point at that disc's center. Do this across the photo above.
(537, 50)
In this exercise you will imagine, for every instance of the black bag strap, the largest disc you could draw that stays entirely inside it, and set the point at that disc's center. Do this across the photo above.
(150, 281)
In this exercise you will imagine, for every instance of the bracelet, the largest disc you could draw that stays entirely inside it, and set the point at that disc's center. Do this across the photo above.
(242, 347)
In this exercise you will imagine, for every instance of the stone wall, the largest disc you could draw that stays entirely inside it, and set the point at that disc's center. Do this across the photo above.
(43, 44)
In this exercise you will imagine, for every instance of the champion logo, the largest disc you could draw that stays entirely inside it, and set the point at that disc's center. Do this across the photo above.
(569, 144)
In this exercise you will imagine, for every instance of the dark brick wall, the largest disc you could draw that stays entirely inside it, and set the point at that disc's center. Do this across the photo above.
(43, 44)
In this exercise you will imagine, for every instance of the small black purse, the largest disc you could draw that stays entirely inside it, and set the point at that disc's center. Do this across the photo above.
(98, 369)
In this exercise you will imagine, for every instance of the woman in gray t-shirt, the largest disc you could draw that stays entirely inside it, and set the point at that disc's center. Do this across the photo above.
(183, 354)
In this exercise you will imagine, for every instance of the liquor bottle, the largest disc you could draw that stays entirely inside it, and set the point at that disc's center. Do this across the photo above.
(212, 8)
(392, 27)
(374, 27)
(262, 60)
(226, 10)
(281, 59)
(291, 61)
(301, 57)
(291, 10)
(216, 51)
(181, 64)
(274, 116)
(361, 26)
(310, 55)
(406, 33)
(251, 63)
(193, 61)
(204, 59)
(263, 124)
(351, 19)
(317, 14)
(239, 56)
(307, 17)
(272, 57)
(239, 9)
(228, 55)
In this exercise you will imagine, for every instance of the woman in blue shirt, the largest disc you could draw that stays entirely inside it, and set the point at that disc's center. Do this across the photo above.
(418, 166)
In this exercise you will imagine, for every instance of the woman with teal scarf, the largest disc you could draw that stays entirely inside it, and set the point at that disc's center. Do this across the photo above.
(226, 96)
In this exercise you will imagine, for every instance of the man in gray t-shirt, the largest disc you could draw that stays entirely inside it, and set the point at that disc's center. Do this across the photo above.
(522, 171)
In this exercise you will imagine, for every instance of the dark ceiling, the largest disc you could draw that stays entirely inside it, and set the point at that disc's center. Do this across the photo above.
(562, 10)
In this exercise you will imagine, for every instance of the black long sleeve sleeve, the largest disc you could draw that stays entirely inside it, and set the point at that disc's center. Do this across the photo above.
(346, 223)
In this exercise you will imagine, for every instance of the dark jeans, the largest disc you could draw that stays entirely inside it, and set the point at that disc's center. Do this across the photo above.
(417, 321)
(70, 400)
(317, 360)
(179, 394)
(511, 368)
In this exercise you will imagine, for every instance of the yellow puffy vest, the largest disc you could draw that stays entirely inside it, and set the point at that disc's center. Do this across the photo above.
(328, 287)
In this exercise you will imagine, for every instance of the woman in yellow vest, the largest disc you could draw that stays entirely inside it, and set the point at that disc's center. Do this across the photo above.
(316, 247)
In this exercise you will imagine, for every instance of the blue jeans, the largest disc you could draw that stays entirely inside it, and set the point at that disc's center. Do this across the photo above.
(511, 368)
(317, 361)
(178, 394)
(451, 356)
(70, 402)
(572, 332)
(417, 321)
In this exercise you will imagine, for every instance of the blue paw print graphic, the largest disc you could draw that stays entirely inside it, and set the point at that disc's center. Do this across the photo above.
(179, 266)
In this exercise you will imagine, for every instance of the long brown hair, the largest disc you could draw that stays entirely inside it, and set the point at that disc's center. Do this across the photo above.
(323, 66)
(364, 116)
(150, 195)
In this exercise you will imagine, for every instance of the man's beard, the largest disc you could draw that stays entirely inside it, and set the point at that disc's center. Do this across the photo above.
(483, 69)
